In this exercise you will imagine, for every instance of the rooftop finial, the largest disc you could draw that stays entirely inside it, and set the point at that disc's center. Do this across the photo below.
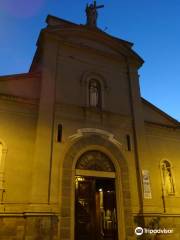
(92, 14)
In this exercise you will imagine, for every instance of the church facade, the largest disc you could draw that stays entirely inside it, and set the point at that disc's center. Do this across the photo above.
(82, 154)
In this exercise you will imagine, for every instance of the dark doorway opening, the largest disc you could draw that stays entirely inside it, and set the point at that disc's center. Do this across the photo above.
(95, 209)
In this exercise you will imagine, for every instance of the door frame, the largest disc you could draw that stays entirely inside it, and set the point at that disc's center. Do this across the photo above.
(119, 199)
(96, 175)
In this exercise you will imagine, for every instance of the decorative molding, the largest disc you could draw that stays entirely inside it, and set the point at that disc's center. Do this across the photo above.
(20, 76)
(162, 125)
(18, 99)
(84, 131)
(95, 75)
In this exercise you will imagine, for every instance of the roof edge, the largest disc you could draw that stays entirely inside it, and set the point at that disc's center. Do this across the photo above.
(160, 111)
(20, 75)
(84, 25)
(57, 18)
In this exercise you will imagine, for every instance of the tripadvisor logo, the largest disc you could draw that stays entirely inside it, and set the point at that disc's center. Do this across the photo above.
(139, 231)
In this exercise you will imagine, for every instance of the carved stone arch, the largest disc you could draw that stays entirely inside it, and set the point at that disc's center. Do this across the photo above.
(166, 159)
(86, 76)
(85, 81)
(92, 142)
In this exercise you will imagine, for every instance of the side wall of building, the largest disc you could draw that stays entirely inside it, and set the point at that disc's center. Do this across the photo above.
(17, 134)
(162, 210)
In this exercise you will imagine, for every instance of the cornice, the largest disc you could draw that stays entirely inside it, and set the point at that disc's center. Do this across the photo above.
(21, 76)
(18, 99)
(118, 45)
(60, 23)
(161, 125)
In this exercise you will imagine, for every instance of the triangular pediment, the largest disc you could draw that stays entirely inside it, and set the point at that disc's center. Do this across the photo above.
(90, 38)
(95, 45)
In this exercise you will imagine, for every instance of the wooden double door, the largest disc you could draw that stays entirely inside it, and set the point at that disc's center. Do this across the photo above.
(95, 209)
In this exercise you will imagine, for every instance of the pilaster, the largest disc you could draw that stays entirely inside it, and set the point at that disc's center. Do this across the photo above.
(45, 126)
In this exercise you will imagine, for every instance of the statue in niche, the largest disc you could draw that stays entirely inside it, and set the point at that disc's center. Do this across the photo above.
(167, 177)
(92, 14)
(94, 93)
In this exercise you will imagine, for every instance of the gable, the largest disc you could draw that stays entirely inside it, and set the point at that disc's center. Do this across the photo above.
(87, 38)
(153, 114)
(95, 45)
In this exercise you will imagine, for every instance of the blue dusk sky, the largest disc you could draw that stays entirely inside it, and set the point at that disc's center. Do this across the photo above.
(153, 26)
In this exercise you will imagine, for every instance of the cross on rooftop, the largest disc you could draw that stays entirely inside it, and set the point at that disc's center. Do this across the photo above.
(92, 14)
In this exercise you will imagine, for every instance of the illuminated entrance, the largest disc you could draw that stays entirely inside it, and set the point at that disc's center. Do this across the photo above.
(95, 198)
(95, 209)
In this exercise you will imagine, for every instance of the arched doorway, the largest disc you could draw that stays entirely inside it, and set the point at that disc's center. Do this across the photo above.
(109, 146)
(95, 197)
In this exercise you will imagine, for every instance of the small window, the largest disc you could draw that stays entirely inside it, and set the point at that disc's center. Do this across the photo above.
(168, 181)
(59, 133)
(94, 93)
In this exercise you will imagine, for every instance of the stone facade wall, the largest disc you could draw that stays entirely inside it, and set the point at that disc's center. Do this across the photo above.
(29, 228)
